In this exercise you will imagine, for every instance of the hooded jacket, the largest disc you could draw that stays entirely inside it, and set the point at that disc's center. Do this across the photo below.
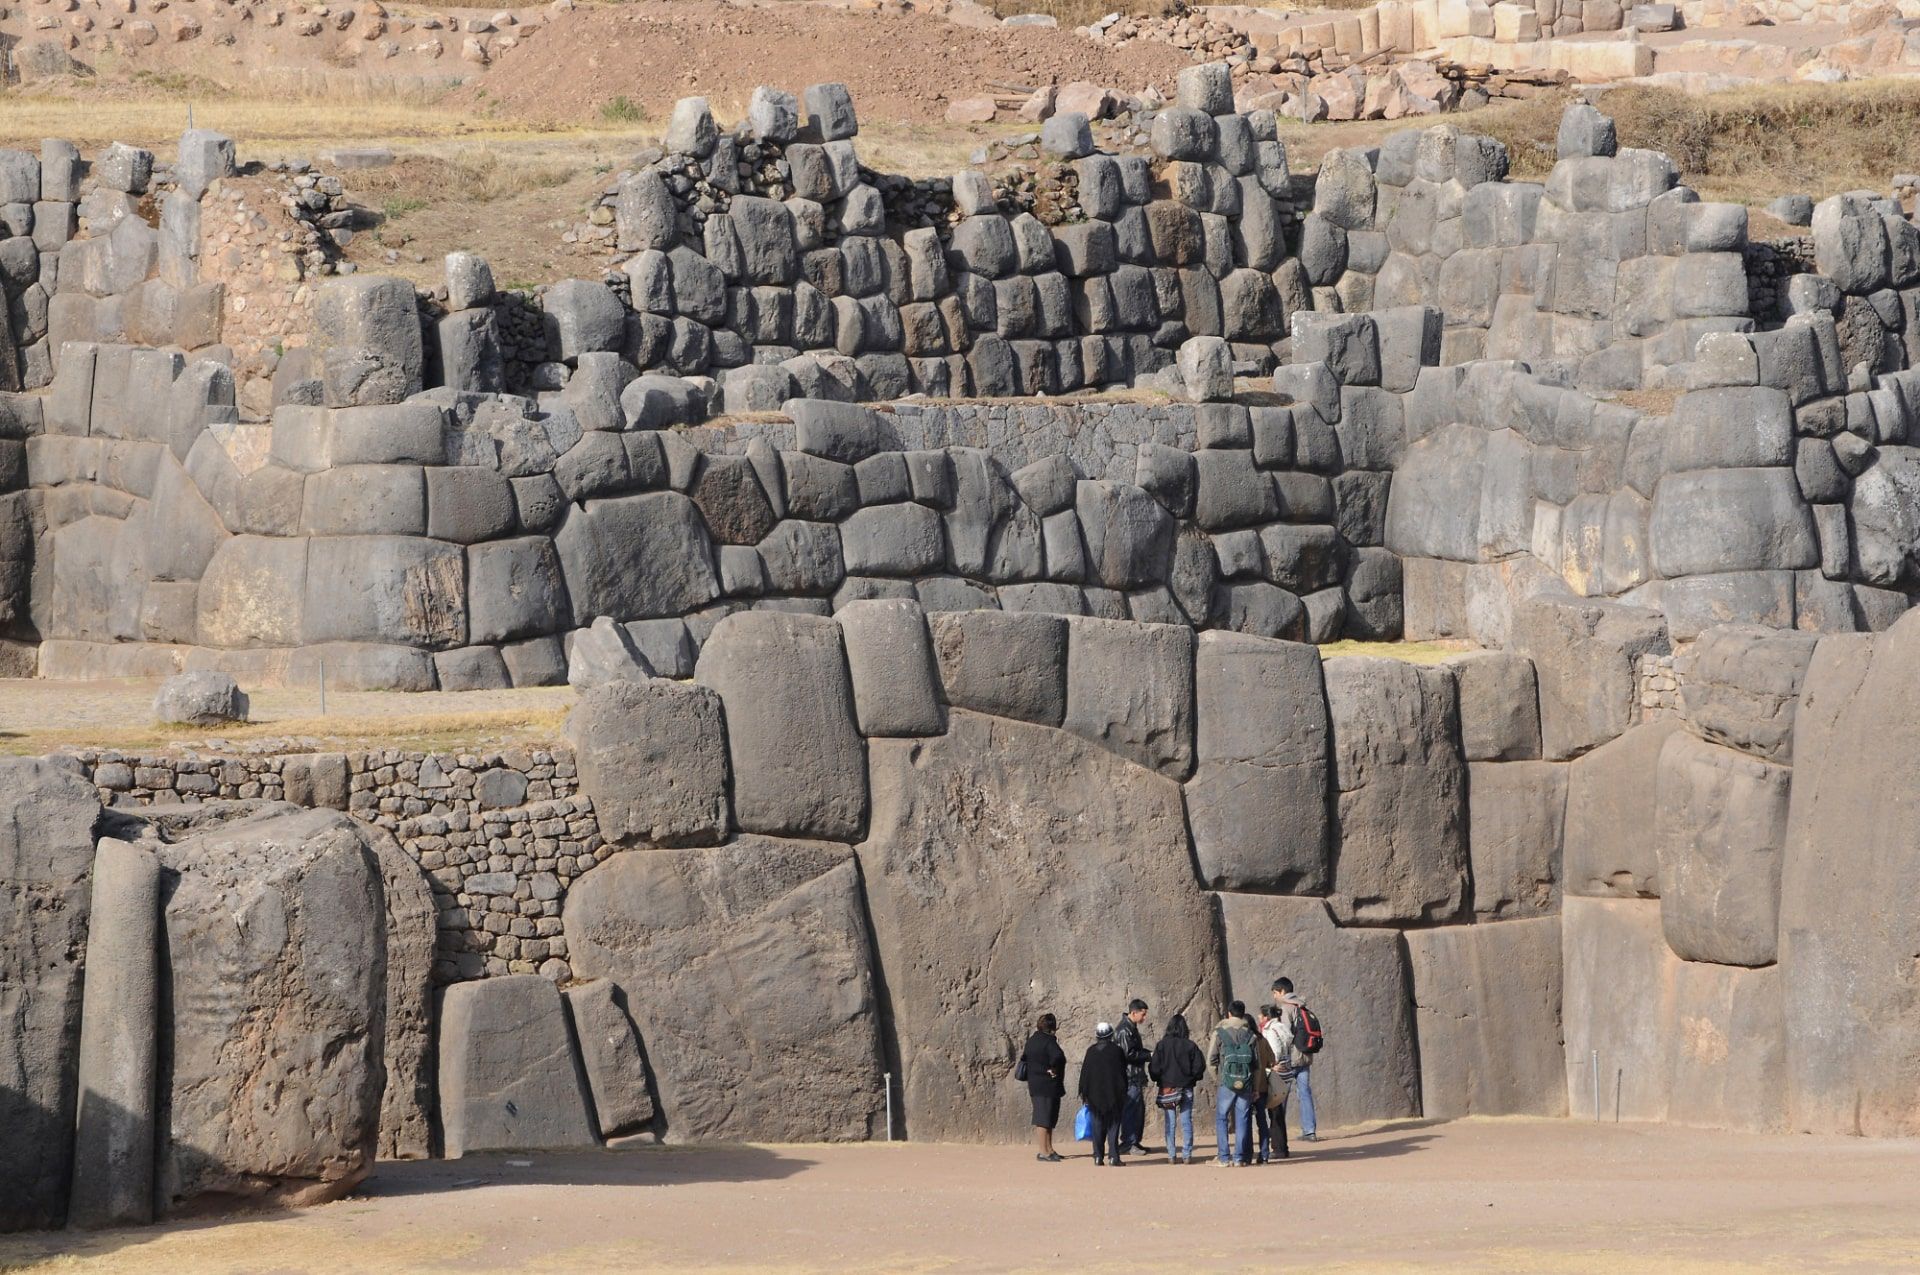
(1177, 1062)
(1235, 1028)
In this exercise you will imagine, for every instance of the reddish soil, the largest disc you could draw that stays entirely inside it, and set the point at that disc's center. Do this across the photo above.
(901, 67)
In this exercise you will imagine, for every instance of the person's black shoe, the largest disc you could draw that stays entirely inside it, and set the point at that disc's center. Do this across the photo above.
(1098, 1161)
(1118, 1162)
(1053, 1157)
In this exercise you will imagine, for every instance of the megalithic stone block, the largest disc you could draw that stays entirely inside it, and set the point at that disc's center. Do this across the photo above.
(509, 1077)
(113, 1137)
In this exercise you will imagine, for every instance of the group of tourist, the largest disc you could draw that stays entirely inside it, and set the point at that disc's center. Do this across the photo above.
(1258, 1062)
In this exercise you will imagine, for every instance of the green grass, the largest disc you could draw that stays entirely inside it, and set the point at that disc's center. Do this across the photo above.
(621, 110)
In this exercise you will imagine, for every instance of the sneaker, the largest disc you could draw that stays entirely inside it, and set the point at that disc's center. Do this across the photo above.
(1097, 1160)
(1309, 1137)
(1118, 1163)
(1053, 1157)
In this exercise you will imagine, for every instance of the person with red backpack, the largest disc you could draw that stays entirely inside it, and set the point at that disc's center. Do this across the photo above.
(1302, 1026)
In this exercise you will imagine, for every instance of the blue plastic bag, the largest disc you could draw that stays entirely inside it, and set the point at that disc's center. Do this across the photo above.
(1083, 1124)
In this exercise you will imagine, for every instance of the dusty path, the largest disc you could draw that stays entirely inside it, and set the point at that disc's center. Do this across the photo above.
(1492, 1195)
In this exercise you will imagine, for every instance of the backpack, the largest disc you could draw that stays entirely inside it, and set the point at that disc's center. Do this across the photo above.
(1236, 1060)
(1307, 1036)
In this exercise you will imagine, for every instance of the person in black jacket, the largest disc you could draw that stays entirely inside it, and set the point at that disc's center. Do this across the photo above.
(1046, 1067)
(1103, 1087)
(1176, 1068)
(1127, 1034)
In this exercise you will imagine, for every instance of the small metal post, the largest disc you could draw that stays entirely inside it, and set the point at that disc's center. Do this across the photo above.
(889, 1106)
(1618, 1076)
(1596, 1086)
(323, 688)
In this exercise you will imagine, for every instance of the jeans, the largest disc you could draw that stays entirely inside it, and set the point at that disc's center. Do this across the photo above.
(1133, 1118)
(1181, 1115)
(1106, 1134)
(1240, 1106)
(1263, 1134)
(1303, 1087)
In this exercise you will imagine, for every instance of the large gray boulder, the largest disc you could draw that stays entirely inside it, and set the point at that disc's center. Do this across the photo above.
(1730, 520)
(1013, 869)
(799, 764)
(276, 940)
(1586, 655)
(896, 688)
(1609, 849)
(652, 757)
(48, 815)
(1355, 979)
(407, 1102)
(603, 540)
(1128, 534)
(1499, 706)
(1744, 686)
(1851, 851)
(199, 698)
(509, 1077)
(754, 957)
(366, 336)
(1258, 800)
(604, 653)
(1486, 1004)
(1006, 664)
(1720, 825)
(404, 590)
(1401, 821)
(1130, 689)
(113, 1138)
(611, 1057)
(1515, 814)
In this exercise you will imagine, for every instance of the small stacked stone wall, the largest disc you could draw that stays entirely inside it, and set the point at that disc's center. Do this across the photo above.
(499, 836)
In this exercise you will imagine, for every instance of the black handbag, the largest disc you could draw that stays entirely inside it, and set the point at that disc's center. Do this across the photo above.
(1020, 1068)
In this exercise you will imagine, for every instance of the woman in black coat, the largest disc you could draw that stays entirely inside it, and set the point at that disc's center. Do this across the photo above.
(1176, 1068)
(1103, 1087)
(1046, 1069)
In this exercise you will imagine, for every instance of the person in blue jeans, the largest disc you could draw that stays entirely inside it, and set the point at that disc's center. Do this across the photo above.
(1176, 1067)
(1290, 1006)
(1235, 1061)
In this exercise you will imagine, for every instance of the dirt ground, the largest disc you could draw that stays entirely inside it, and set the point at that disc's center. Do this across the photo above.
(1484, 1195)
(38, 716)
(902, 67)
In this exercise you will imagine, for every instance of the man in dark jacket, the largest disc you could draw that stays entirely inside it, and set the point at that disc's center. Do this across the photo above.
(1127, 1034)
(1103, 1087)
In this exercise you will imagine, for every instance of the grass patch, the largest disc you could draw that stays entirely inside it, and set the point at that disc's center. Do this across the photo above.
(1081, 13)
(1746, 144)
(621, 110)
(401, 205)
(1412, 652)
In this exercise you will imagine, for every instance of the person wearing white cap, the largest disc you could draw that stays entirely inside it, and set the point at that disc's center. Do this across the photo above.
(1103, 1088)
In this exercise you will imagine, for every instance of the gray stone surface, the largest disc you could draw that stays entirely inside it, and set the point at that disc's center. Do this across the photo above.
(799, 764)
(1585, 654)
(1499, 706)
(408, 1101)
(1609, 851)
(1356, 980)
(1004, 664)
(652, 758)
(366, 334)
(509, 1077)
(113, 1151)
(603, 653)
(1744, 686)
(1258, 800)
(1130, 689)
(896, 688)
(1720, 824)
(1515, 816)
(754, 957)
(274, 1075)
(199, 699)
(611, 1057)
(47, 819)
(601, 538)
(1849, 850)
(1401, 813)
(966, 828)
(1487, 1016)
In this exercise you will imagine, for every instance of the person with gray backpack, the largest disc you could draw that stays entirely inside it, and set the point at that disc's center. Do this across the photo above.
(1234, 1060)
